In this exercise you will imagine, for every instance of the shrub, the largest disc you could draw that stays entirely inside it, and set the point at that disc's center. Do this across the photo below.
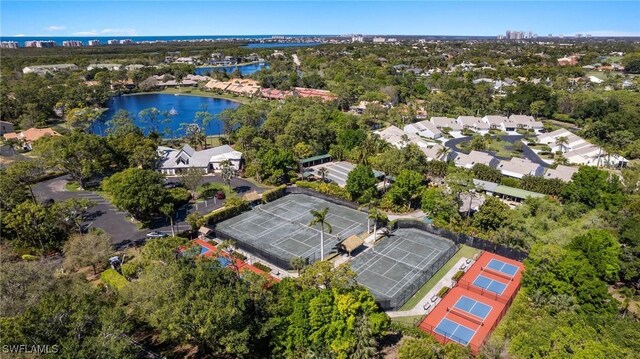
(510, 182)
(132, 268)
(273, 194)
(330, 189)
(233, 208)
(179, 196)
(239, 255)
(262, 267)
(458, 275)
(443, 291)
(113, 279)
(210, 190)
(29, 257)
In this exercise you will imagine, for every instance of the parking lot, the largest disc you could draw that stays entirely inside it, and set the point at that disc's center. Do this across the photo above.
(116, 223)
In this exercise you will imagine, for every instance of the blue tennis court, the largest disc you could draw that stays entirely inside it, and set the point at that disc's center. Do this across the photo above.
(224, 262)
(490, 284)
(474, 307)
(203, 250)
(500, 266)
(455, 331)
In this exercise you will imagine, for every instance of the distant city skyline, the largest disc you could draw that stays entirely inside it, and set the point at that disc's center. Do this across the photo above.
(183, 18)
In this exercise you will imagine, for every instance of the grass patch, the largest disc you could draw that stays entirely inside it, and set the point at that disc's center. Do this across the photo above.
(464, 252)
(72, 186)
(409, 321)
(213, 141)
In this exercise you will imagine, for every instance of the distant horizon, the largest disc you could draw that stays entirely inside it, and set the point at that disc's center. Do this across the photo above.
(309, 18)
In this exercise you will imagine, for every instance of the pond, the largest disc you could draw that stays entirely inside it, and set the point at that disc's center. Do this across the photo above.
(245, 70)
(176, 110)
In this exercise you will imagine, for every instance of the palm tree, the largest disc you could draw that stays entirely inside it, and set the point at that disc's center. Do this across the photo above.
(561, 142)
(321, 217)
(227, 245)
(443, 153)
(375, 215)
(627, 294)
(167, 209)
(298, 263)
(227, 172)
(323, 172)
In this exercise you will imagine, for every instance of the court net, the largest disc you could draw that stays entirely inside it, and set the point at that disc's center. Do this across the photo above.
(468, 316)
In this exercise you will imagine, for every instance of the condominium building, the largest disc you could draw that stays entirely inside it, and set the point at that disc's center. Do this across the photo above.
(8, 45)
(94, 42)
(72, 43)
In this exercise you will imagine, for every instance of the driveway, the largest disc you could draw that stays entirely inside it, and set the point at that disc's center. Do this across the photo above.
(527, 152)
(114, 221)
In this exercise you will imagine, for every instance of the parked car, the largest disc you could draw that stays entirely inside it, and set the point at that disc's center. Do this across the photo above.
(220, 195)
(156, 234)
(170, 185)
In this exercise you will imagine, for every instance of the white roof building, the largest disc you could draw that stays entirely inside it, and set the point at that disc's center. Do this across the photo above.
(518, 168)
(174, 161)
(474, 158)
(525, 122)
(561, 172)
(110, 67)
(473, 123)
(495, 122)
(446, 122)
(424, 129)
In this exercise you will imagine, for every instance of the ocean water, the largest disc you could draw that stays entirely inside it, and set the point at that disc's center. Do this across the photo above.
(183, 108)
(103, 39)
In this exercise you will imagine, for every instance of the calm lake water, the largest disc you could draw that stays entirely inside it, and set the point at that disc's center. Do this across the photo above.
(183, 109)
(245, 70)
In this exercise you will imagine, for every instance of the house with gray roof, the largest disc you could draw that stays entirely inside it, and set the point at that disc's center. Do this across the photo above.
(524, 122)
(495, 122)
(473, 123)
(446, 122)
(424, 129)
(173, 161)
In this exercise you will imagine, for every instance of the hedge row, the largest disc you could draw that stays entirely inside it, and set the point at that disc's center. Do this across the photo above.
(239, 255)
(222, 214)
(458, 275)
(113, 279)
(273, 194)
(262, 267)
(443, 291)
(330, 189)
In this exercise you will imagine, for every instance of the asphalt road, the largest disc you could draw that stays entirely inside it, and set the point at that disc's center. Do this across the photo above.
(526, 151)
(114, 221)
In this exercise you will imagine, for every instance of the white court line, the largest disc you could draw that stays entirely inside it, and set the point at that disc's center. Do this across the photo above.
(414, 274)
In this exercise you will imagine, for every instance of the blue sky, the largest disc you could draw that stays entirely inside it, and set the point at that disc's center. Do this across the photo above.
(155, 18)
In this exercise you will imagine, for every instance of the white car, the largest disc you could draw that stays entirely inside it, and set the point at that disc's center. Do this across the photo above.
(156, 234)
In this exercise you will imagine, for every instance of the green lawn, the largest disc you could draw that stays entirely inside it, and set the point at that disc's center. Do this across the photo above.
(409, 321)
(465, 251)
(72, 186)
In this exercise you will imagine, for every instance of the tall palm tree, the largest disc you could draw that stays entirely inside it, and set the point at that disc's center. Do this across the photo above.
(168, 209)
(228, 172)
(375, 215)
(443, 153)
(562, 142)
(323, 172)
(321, 217)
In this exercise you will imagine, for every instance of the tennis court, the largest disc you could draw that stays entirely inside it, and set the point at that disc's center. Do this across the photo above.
(473, 307)
(500, 266)
(454, 331)
(396, 267)
(279, 231)
(489, 284)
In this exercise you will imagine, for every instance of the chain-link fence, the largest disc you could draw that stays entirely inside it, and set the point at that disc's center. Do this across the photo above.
(402, 297)
(461, 238)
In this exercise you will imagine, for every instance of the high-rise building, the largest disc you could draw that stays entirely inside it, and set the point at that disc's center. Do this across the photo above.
(379, 40)
(72, 43)
(8, 45)
(94, 42)
(38, 43)
(357, 38)
(113, 42)
(126, 41)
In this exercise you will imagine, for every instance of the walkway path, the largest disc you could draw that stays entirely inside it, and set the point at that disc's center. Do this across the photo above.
(445, 281)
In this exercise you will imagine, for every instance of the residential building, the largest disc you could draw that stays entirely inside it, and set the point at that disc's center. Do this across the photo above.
(518, 168)
(174, 161)
(473, 158)
(110, 67)
(399, 138)
(28, 137)
(578, 151)
(495, 122)
(133, 67)
(524, 122)
(72, 43)
(561, 172)
(9, 45)
(357, 38)
(571, 141)
(94, 42)
(379, 40)
(424, 129)
(5, 127)
(446, 123)
(113, 42)
(40, 44)
(274, 94)
(473, 123)
(126, 41)
(324, 95)
(45, 69)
